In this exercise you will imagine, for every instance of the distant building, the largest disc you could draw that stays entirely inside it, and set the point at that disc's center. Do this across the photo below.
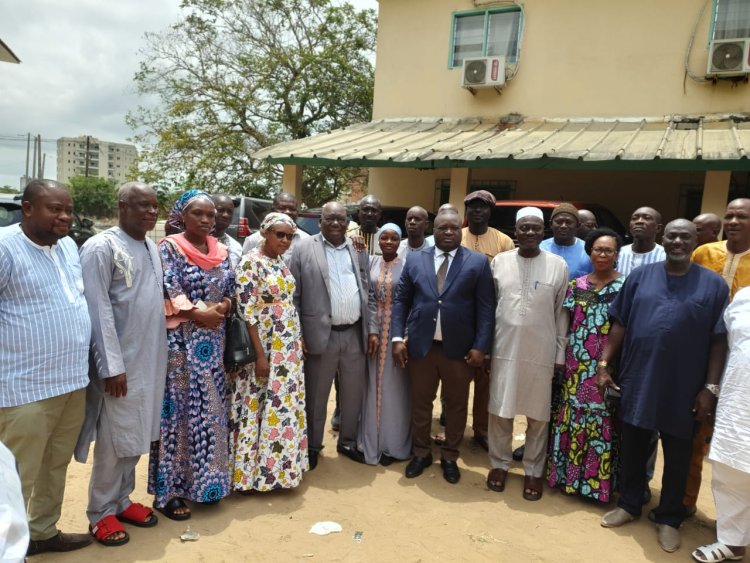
(111, 161)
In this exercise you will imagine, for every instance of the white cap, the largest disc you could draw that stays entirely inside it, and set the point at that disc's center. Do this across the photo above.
(529, 212)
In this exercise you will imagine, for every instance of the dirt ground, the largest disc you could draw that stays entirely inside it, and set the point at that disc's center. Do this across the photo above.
(405, 520)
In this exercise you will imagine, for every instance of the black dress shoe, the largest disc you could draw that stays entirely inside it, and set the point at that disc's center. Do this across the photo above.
(60, 542)
(482, 442)
(450, 471)
(417, 465)
(386, 460)
(312, 458)
(518, 452)
(352, 453)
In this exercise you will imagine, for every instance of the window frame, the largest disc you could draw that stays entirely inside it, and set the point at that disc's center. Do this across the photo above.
(712, 27)
(486, 13)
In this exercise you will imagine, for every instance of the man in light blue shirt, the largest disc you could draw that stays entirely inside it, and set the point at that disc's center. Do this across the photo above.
(44, 343)
(564, 243)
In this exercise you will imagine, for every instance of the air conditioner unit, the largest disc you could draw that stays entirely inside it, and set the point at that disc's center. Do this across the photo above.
(729, 57)
(484, 72)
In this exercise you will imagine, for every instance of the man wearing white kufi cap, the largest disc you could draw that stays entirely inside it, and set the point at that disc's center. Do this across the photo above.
(530, 337)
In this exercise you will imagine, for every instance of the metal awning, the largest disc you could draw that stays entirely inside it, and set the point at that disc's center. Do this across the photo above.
(718, 142)
(6, 55)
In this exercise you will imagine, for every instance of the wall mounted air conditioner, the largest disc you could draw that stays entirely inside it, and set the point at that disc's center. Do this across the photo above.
(484, 72)
(729, 57)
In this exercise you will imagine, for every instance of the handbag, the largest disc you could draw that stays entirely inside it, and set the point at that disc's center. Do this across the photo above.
(238, 348)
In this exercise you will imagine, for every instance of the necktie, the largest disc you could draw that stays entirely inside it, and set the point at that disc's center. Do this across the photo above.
(442, 272)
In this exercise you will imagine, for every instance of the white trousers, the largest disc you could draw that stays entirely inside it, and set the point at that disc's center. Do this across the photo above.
(500, 440)
(731, 489)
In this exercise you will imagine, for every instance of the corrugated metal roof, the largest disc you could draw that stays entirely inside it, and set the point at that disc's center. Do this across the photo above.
(472, 142)
(6, 55)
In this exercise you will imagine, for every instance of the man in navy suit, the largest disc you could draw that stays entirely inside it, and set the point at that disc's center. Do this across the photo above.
(445, 303)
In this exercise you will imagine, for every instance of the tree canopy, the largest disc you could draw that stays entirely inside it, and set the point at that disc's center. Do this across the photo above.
(94, 196)
(234, 76)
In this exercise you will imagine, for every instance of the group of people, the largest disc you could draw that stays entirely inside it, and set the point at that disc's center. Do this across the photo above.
(604, 348)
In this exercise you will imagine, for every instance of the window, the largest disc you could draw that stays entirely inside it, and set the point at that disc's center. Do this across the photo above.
(486, 33)
(731, 19)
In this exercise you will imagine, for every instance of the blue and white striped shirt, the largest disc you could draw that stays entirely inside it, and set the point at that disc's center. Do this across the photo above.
(342, 278)
(627, 261)
(45, 329)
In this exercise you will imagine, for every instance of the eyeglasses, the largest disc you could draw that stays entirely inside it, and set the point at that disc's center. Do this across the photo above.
(604, 251)
(281, 235)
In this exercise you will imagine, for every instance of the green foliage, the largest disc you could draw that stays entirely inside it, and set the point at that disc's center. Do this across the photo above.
(93, 196)
(234, 76)
(8, 190)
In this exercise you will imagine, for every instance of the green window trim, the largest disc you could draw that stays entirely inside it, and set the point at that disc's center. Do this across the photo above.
(486, 13)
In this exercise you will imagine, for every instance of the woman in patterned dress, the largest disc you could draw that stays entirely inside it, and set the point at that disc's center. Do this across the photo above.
(191, 460)
(267, 412)
(385, 429)
(583, 441)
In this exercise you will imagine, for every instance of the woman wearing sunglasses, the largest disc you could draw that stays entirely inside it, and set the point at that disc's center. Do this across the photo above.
(267, 400)
(583, 443)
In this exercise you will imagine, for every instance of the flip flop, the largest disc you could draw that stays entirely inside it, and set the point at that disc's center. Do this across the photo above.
(715, 552)
(138, 515)
(532, 488)
(496, 479)
(169, 509)
(106, 527)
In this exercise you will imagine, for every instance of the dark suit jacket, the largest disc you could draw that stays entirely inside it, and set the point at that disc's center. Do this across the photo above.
(312, 297)
(466, 305)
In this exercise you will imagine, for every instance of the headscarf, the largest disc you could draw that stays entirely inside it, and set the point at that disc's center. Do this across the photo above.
(275, 217)
(174, 223)
(529, 212)
(388, 227)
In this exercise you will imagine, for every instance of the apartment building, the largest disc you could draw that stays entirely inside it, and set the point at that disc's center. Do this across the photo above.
(89, 156)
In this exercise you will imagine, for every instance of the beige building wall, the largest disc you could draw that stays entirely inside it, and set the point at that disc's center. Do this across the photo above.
(577, 58)
(111, 161)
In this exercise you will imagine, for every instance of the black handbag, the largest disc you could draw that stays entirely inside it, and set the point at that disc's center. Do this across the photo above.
(238, 348)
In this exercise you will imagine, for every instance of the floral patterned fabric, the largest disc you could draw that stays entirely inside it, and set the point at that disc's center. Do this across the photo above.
(267, 416)
(191, 459)
(583, 441)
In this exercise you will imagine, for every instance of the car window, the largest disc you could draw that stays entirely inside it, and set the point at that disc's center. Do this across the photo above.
(10, 214)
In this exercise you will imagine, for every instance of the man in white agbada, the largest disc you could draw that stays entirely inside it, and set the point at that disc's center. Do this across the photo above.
(530, 337)
(730, 445)
(14, 531)
(122, 276)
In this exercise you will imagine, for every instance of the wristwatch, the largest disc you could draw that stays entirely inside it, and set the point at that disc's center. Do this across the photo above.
(605, 365)
(713, 388)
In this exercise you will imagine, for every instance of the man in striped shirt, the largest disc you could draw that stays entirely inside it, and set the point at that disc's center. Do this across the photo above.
(645, 224)
(44, 342)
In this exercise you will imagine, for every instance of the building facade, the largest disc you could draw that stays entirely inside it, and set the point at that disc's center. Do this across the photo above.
(622, 104)
(89, 156)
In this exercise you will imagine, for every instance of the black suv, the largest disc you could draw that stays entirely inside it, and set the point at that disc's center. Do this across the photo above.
(81, 229)
(248, 214)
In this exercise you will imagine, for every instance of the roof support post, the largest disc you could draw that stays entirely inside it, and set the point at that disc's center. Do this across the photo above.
(460, 183)
(715, 192)
(292, 180)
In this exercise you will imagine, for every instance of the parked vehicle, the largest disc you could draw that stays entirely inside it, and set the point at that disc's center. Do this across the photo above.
(503, 216)
(81, 228)
(309, 220)
(249, 212)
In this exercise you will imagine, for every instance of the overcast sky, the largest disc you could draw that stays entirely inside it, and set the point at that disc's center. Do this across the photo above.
(78, 58)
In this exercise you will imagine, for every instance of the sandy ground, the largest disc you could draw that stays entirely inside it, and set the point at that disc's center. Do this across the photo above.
(422, 519)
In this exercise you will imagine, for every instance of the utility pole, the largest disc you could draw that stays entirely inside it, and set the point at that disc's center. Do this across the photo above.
(88, 140)
(28, 148)
(33, 162)
(40, 170)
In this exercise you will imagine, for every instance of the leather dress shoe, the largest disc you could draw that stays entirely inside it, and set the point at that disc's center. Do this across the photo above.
(616, 518)
(59, 542)
(417, 465)
(450, 471)
(668, 537)
(518, 453)
(352, 453)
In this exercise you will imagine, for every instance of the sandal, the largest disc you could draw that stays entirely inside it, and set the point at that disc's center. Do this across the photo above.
(107, 527)
(715, 552)
(138, 515)
(532, 488)
(169, 509)
(496, 479)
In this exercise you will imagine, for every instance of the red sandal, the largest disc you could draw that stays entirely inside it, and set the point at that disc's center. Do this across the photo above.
(138, 515)
(107, 527)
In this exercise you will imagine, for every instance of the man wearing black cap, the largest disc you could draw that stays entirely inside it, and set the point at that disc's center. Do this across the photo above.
(565, 244)
(482, 238)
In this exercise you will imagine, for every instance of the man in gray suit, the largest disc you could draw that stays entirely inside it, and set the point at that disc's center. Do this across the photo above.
(332, 296)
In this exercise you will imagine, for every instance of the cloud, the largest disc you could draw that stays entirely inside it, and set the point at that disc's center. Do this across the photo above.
(78, 58)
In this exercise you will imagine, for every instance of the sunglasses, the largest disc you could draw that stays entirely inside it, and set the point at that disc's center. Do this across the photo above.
(281, 235)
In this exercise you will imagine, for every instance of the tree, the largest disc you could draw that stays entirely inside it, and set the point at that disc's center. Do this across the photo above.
(234, 76)
(94, 196)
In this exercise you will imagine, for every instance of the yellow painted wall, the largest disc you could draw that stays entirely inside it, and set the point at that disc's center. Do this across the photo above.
(578, 58)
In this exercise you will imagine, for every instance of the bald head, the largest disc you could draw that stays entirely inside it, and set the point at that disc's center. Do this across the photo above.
(37, 187)
(333, 222)
(416, 224)
(370, 212)
(447, 207)
(284, 202)
(679, 241)
(130, 189)
(587, 223)
(707, 225)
